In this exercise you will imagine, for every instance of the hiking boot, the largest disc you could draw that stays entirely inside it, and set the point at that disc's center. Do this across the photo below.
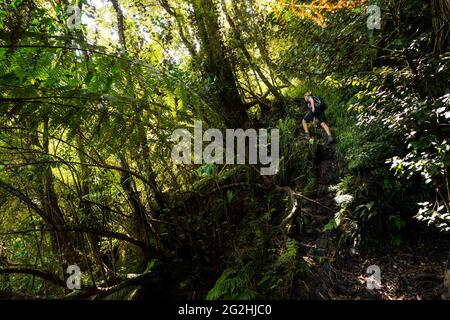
(330, 140)
(307, 135)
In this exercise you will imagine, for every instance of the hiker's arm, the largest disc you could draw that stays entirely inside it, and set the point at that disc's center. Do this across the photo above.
(313, 104)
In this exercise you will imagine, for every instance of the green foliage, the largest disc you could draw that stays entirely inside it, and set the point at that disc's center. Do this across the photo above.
(87, 118)
(265, 264)
(371, 214)
(297, 157)
(231, 286)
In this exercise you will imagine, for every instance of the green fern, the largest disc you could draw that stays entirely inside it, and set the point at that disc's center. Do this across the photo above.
(231, 286)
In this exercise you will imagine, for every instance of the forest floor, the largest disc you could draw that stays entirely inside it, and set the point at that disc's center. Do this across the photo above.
(412, 272)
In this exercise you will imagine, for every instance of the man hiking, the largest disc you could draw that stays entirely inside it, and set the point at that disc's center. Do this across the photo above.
(316, 107)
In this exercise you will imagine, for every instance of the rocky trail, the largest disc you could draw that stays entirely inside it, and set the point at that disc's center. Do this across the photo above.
(413, 271)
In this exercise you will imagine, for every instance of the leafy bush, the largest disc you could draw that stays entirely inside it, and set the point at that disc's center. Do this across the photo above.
(370, 212)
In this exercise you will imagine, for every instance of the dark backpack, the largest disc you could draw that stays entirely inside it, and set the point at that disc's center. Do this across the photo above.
(320, 103)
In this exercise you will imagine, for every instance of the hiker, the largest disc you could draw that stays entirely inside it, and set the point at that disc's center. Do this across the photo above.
(316, 107)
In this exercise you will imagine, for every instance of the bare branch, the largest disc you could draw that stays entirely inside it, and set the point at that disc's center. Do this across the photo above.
(50, 277)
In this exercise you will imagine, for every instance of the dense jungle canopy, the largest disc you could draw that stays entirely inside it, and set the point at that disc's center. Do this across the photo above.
(91, 92)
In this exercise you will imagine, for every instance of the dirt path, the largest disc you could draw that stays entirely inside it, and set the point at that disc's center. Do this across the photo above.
(415, 271)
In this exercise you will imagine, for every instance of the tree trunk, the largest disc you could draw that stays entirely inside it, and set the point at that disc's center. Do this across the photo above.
(216, 64)
(142, 228)
(440, 14)
(66, 243)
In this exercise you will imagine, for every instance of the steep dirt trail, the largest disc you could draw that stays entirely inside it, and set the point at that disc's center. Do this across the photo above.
(415, 271)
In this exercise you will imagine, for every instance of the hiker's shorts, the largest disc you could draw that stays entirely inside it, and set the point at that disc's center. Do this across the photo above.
(319, 115)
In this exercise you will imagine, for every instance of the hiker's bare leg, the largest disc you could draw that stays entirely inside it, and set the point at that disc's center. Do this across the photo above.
(305, 126)
(326, 128)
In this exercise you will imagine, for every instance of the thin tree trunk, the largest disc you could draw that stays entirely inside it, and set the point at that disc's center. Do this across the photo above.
(120, 24)
(237, 35)
(440, 14)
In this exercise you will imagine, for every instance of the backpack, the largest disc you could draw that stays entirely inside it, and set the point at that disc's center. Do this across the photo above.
(320, 103)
